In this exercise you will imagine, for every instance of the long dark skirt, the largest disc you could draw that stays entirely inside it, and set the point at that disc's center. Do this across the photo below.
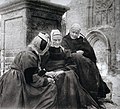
(15, 93)
(71, 95)
(89, 77)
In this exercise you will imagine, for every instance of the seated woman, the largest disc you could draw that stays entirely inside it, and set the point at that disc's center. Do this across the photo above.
(58, 64)
(21, 87)
(84, 56)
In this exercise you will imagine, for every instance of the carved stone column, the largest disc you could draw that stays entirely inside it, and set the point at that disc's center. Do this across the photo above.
(21, 20)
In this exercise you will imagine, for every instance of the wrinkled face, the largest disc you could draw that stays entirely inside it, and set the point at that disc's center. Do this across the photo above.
(56, 41)
(74, 33)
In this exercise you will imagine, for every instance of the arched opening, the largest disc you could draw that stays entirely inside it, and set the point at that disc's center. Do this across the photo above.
(101, 46)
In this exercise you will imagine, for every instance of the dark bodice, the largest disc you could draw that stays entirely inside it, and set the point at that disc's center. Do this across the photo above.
(56, 59)
(76, 44)
(79, 44)
(56, 54)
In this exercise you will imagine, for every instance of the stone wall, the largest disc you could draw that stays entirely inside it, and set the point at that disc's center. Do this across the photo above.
(13, 31)
(101, 16)
(77, 14)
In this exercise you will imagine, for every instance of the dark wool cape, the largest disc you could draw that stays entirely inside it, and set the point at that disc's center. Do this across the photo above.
(16, 91)
(87, 71)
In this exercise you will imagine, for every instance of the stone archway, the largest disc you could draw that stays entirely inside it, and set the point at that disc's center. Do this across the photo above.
(101, 46)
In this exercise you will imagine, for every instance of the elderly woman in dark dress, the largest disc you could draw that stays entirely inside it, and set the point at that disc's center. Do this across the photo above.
(58, 65)
(84, 56)
(22, 87)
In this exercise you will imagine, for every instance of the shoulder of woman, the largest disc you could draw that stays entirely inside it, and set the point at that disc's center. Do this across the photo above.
(66, 37)
(28, 55)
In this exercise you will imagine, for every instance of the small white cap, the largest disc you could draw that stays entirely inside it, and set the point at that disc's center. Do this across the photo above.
(44, 36)
(55, 32)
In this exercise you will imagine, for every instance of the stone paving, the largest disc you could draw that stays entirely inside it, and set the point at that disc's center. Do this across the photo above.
(115, 91)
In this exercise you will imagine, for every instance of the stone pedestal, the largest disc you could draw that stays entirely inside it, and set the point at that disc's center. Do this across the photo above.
(21, 20)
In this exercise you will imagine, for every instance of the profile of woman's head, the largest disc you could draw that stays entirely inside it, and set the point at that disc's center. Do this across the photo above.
(56, 38)
(40, 43)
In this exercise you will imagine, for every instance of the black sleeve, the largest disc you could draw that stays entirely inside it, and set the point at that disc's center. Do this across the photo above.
(70, 64)
(28, 73)
(89, 51)
(65, 44)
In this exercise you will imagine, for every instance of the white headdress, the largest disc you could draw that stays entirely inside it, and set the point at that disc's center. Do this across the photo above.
(75, 26)
(35, 44)
(53, 33)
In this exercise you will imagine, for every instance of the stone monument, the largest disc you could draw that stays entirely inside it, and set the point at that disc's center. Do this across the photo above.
(21, 20)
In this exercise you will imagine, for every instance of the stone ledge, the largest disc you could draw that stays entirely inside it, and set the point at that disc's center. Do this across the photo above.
(19, 4)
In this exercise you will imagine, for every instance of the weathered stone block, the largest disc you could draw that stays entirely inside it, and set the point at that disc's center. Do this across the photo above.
(21, 20)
